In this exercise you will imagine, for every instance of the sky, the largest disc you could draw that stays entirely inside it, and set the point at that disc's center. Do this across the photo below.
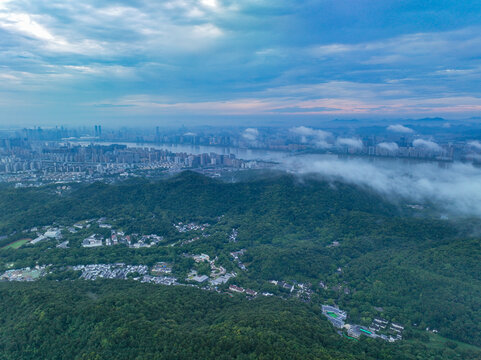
(237, 62)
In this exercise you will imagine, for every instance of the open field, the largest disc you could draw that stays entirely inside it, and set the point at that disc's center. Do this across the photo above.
(16, 244)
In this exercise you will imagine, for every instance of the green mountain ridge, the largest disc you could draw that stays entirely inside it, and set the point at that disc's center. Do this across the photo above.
(423, 272)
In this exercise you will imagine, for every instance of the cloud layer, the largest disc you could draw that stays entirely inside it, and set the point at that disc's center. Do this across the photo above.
(389, 146)
(427, 144)
(351, 143)
(400, 129)
(315, 136)
(218, 58)
(250, 134)
(456, 189)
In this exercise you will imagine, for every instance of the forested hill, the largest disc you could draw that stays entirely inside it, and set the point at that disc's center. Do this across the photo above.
(113, 320)
(345, 245)
(125, 320)
(189, 194)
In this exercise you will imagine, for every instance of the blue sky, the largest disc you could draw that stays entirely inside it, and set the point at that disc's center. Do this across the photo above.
(237, 62)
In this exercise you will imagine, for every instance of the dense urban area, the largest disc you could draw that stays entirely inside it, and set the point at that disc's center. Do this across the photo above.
(37, 156)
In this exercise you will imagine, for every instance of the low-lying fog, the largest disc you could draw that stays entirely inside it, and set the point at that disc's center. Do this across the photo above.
(455, 187)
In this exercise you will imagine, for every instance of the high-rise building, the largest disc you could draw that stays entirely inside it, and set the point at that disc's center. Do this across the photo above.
(98, 130)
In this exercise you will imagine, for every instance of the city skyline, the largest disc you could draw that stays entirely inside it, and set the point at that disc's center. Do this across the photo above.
(213, 62)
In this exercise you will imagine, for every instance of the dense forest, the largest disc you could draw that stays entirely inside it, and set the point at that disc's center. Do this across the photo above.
(127, 320)
(388, 260)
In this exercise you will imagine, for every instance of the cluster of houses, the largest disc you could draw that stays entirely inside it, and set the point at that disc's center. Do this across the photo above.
(160, 280)
(51, 233)
(159, 273)
(221, 279)
(122, 271)
(241, 290)
(189, 241)
(135, 241)
(48, 232)
(283, 284)
(25, 274)
(201, 258)
(119, 237)
(80, 225)
(193, 276)
(93, 240)
(294, 287)
(110, 271)
(218, 274)
(380, 328)
(301, 290)
(236, 255)
(161, 268)
(96, 240)
(181, 227)
(384, 325)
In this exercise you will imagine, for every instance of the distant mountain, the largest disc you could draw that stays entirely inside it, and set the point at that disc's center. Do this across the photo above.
(433, 119)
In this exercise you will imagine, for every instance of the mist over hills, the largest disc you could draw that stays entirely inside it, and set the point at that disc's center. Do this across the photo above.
(454, 187)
